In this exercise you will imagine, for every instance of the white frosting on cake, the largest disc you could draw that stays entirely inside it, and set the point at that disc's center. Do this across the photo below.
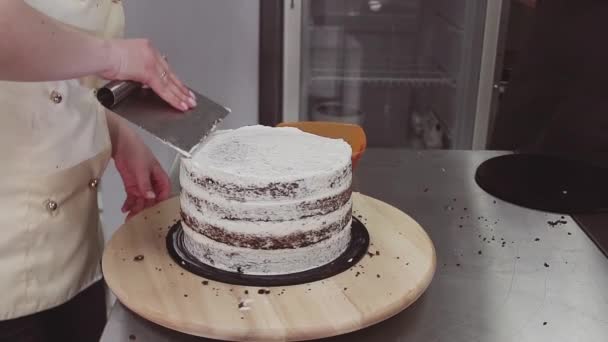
(285, 209)
(267, 184)
(259, 156)
(270, 154)
(265, 262)
(266, 228)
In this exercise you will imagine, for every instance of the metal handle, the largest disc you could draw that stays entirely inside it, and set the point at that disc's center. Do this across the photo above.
(115, 91)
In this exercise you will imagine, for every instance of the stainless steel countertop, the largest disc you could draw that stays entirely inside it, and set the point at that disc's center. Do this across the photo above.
(542, 285)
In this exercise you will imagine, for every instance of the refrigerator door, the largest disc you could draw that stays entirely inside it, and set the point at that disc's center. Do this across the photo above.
(408, 71)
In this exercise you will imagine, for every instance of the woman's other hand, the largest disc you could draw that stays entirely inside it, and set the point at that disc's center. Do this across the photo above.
(137, 60)
(145, 181)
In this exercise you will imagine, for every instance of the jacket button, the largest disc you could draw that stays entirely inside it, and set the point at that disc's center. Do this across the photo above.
(56, 97)
(94, 183)
(51, 206)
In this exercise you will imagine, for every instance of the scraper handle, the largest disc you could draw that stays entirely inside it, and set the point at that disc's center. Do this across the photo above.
(115, 91)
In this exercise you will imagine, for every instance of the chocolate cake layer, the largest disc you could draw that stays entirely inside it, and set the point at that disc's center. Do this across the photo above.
(268, 242)
(269, 191)
(252, 213)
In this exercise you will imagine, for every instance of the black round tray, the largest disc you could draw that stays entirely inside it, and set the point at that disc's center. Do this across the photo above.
(357, 248)
(547, 183)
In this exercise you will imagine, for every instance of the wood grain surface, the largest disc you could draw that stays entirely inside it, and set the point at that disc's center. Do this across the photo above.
(399, 266)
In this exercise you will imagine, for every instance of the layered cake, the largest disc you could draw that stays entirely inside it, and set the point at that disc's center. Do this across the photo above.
(262, 200)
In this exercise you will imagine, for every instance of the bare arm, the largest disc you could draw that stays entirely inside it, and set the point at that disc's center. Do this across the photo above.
(38, 48)
(145, 181)
(35, 47)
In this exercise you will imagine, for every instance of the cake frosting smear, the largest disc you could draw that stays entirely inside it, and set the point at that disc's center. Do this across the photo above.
(265, 200)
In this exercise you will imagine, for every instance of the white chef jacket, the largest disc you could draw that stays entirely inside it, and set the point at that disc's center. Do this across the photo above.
(54, 147)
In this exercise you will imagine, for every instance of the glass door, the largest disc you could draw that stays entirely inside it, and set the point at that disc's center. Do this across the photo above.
(406, 70)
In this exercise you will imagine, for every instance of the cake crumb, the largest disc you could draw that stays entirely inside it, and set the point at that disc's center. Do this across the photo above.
(205, 282)
(377, 275)
(246, 292)
(186, 295)
(138, 258)
(546, 265)
(377, 253)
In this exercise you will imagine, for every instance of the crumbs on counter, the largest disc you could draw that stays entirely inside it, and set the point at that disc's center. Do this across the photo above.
(138, 258)
(537, 239)
(555, 223)
(546, 265)
(205, 282)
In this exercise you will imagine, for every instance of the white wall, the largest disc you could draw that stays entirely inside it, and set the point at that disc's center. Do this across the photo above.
(213, 46)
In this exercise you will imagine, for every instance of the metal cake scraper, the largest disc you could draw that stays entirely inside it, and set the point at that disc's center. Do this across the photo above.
(183, 131)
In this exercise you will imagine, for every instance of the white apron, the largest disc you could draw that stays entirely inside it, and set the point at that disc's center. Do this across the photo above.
(54, 147)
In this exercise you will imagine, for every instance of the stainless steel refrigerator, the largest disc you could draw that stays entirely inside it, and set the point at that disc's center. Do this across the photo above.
(414, 73)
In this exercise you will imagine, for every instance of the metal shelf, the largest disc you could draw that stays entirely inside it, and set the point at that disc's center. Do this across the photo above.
(413, 76)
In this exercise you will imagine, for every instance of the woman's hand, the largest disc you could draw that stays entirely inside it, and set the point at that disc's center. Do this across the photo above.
(145, 181)
(137, 60)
